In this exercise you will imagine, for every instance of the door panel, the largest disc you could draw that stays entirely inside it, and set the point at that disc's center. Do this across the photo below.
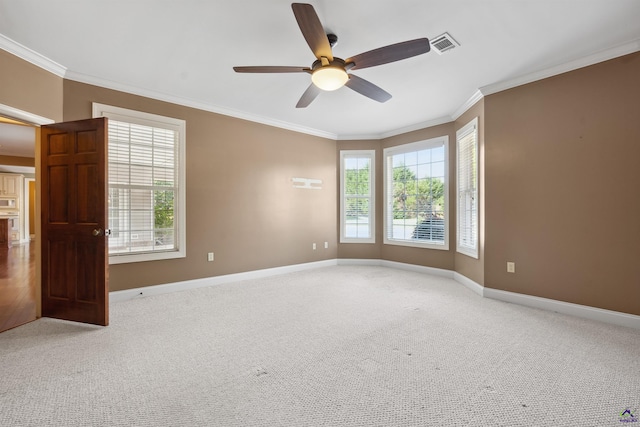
(87, 253)
(57, 194)
(58, 269)
(74, 215)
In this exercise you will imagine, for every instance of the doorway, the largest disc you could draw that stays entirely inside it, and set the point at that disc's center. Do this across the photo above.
(18, 302)
(34, 121)
(73, 155)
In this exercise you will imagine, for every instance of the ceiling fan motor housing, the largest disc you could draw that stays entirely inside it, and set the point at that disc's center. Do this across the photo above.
(336, 63)
(333, 39)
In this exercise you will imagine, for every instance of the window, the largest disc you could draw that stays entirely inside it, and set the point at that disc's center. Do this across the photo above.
(146, 185)
(357, 205)
(467, 142)
(416, 194)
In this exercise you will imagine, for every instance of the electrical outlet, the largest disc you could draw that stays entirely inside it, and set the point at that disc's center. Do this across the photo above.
(511, 267)
(314, 246)
(326, 245)
(210, 256)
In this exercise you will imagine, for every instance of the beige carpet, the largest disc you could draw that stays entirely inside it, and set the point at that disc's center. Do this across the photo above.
(336, 346)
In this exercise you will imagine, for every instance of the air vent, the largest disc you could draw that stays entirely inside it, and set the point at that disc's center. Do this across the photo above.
(443, 43)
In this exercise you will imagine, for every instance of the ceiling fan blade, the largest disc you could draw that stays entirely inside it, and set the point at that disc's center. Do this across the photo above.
(308, 96)
(271, 69)
(391, 53)
(312, 30)
(368, 89)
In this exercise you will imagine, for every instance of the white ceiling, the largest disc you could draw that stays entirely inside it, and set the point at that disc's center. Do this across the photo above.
(184, 51)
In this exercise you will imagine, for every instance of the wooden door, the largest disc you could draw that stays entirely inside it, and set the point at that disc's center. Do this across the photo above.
(74, 217)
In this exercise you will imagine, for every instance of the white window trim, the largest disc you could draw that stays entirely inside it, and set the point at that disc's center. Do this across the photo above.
(132, 116)
(371, 154)
(405, 148)
(472, 251)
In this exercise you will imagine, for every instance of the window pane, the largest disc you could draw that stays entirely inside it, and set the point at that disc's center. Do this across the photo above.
(416, 194)
(357, 196)
(164, 238)
(424, 157)
(437, 154)
(357, 218)
(163, 208)
(467, 190)
(142, 179)
(437, 169)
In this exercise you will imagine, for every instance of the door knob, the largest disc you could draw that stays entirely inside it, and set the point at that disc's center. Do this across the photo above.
(97, 231)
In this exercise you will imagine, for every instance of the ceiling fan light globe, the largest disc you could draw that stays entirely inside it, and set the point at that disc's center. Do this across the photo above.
(329, 78)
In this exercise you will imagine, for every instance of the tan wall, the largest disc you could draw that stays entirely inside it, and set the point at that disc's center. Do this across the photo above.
(241, 203)
(466, 265)
(560, 159)
(17, 161)
(29, 88)
(562, 180)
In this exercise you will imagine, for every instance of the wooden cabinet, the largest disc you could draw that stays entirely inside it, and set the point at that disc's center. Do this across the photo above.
(14, 229)
(11, 189)
(10, 185)
(5, 239)
(9, 231)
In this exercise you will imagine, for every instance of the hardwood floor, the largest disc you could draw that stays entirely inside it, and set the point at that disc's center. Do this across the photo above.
(17, 286)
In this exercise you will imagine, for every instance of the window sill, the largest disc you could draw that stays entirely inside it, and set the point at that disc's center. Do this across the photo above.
(346, 240)
(126, 259)
(468, 252)
(442, 247)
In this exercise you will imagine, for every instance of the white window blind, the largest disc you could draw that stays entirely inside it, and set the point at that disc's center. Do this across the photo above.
(146, 179)
(467, 224)
(416, 194)
(357, 203)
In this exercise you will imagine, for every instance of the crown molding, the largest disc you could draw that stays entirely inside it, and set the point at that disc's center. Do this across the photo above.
(477, 96)
(416, 126)
(31, 56)
(53, 67)
(586, 61)
(134, 90)
(394, 132)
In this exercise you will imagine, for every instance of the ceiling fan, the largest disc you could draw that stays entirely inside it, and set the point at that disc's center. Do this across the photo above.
(329, 72)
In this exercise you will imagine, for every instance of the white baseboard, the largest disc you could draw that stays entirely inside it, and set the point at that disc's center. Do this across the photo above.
(578, 310)
(418, 268)
(398, 265)
(127, 294)
(583, 311)
(468, 283)
(359, 261)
